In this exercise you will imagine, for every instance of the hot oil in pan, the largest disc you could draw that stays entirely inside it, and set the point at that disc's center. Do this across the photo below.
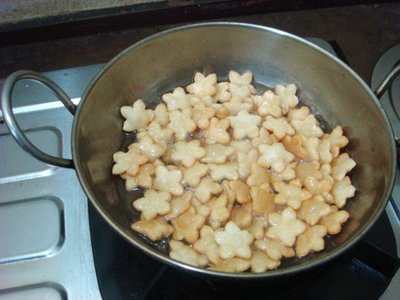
(128, 197)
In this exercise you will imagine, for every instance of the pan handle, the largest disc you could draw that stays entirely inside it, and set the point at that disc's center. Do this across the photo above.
(12, 123)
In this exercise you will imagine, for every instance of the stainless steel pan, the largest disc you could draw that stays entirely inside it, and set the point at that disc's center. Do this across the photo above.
(154, 65)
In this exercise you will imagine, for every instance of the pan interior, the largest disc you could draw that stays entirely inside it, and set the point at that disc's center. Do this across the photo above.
(152, 67)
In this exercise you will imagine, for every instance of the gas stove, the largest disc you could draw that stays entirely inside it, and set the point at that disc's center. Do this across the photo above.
(54, 245)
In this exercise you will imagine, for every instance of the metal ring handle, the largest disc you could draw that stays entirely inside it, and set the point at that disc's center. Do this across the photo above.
(381, 89)
(9, 118)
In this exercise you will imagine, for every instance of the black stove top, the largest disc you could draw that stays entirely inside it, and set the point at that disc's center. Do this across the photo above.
(124, 272)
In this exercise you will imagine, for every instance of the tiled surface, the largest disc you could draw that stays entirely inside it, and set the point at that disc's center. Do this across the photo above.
(364, 33)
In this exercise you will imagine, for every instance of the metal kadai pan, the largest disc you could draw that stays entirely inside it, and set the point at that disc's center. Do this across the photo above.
(168, 59)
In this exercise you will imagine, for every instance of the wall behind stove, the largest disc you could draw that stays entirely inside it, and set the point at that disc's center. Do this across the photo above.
(12, 11)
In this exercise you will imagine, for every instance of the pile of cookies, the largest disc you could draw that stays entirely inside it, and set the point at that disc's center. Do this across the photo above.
(237, 181)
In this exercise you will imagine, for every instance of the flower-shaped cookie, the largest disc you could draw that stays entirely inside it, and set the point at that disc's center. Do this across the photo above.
(245, 125)
(208, 101)
(337, 140)
(187, 152)
(312, 210)
(217, 153)
(225, 171)
(261, 262)
(288, 97)
(241, 91)
(258, 226)
(207, 244)
(137, 116)
(242, 146)
(294, 144)
(311, 240)
(262, 200)
(268, 104)
(206, 188)
(219, 211)
(287, 174)
(259, 176)
(334, 221)
(229, 193)
(274, 248)
(318, 187)
(201, 208)
(153, 203)
(235, 105)
(179, 205)
(343, 190)
(264, 137)
(153, 229)
(308, 127)
(234, 242)
(244, 79)
(149, 147)
(242, 191)
(341, 166)
(280, 127)
(285, 227)
(161, 115)
(159, 134)
(193, 175)
(312, 146)
(201, 115)
(308, 169)
(203, 85)
(223, 93)
(232, 265)
(240, 85)
(177, 99)
(245, 160)
(242, 215)
(274, 156)
(216, 132)
(221, 112)
(187, 226)
(324, 149)
(181, 123)
(128, 162)
(143, 178)
(290, 194)
(298, 113)
(168, 180)
(180, 251)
